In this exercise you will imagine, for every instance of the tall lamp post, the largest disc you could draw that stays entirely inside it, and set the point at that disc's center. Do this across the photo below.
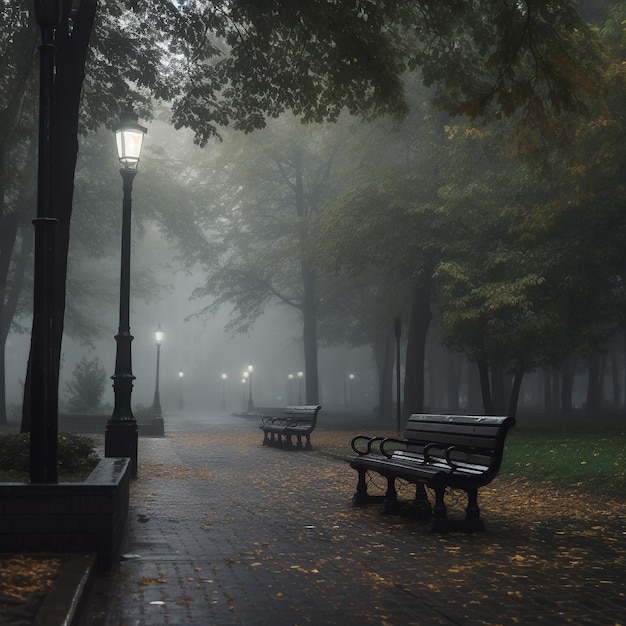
(156, 405)
(44, 376)
(250, 403)
(351, 377)
(121, 435)
(180, 390)
(244, 380)
(300, 375)
(224, 377)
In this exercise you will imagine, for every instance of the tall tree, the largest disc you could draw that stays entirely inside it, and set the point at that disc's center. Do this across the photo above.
(238, 61)
(257, 237)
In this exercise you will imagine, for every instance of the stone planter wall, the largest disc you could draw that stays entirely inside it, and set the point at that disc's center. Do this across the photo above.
(87, 517)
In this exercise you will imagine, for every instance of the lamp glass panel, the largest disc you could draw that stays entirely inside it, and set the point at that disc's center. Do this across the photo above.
(129, 143)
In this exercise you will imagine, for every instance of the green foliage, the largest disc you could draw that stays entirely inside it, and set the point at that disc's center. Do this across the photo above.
(87, 386)
(75, 453)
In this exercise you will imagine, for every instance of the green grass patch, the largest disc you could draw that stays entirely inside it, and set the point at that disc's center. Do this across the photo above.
(588, 457)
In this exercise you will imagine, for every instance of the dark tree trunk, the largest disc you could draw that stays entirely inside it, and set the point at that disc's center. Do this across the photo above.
(474, 395)
(593, 384)
(419, 323)
(547, 389)
(384, 351)
(615, 376)
(485, 388)
(72, 43)
(514, 396)
(567, 385)
(309, 334)
(20, 265)
(498, 394)
(24, 44)
(8, 238)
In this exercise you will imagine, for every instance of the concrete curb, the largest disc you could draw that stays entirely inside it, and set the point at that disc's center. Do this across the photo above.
(67, 599)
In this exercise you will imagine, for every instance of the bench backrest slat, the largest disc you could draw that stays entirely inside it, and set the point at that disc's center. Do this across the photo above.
(301, 414)
(480, 438)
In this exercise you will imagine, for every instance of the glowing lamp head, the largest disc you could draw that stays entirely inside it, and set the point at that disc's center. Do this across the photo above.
(129, 135)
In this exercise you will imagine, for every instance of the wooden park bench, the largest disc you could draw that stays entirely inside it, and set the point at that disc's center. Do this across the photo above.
(439, 452)
(295, 421)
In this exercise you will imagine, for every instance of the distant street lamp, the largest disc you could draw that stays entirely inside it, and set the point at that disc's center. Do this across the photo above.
(351, 378)
(250, 403)
(224, 377)
(156, 405)
(121, 435)
(244, 380)
(290, 388)
(44, 384)
(300, 375)
(180, 390)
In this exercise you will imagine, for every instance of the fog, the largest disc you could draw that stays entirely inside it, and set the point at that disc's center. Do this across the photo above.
(203, 351)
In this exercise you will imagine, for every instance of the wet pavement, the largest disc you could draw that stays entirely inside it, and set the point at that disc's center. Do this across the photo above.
(225, 531)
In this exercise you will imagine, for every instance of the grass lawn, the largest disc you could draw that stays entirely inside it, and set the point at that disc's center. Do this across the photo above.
(586, 454)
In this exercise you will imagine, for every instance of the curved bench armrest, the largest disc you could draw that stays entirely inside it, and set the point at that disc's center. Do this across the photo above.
(450, 461)
(428, 447)
(388, 440)
(363, 438)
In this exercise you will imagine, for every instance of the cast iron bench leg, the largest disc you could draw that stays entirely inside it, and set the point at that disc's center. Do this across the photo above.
(439, 520)
(391, 505)
(308, 442)
(423, 509)
(361, 497)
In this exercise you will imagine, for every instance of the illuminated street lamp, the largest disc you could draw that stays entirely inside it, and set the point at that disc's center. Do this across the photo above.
(300, 376)
(121, 435)
(244, 380)
(250, 403)
(224, 378)
(180, 390)
(156, 405)
(351, 378)
(289, 388)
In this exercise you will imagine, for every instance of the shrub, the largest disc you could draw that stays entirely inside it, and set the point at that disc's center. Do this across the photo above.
(75, 453)
(87, 387)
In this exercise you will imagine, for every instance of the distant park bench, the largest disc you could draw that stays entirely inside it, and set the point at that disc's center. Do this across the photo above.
(295, 421)
(437, 451)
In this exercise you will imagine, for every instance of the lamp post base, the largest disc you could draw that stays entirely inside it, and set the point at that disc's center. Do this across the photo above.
(121, 439)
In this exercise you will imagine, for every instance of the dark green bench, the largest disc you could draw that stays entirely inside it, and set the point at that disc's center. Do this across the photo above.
(439, 452)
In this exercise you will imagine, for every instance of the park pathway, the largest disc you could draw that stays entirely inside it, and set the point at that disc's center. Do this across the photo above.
(224, 531)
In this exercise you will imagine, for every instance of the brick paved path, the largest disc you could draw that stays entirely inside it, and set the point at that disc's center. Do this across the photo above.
(225, 531)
